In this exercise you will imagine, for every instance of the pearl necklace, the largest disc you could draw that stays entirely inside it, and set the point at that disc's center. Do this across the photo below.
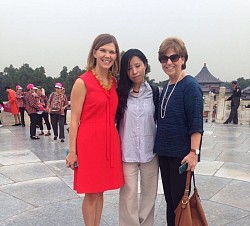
(104, 86)
(163, 109)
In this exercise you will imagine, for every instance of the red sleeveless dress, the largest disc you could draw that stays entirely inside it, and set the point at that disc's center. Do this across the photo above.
(98, 145)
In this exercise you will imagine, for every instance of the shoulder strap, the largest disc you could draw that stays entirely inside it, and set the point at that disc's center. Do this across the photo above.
(185, 196)
(155, 90)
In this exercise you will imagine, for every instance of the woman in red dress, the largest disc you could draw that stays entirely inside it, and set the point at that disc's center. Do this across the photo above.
(94, 140)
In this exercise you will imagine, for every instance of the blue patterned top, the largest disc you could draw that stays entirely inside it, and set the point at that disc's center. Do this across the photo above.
(183, 117)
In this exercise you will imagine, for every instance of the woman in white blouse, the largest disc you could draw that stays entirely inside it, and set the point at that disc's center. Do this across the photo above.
(136, 120)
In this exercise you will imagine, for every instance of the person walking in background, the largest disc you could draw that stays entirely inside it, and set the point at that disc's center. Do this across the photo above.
(235, 103)
(65, 110)
(56, 105)
(43, 99)
(94, 140)
(20, 103)
(137, 130)
(32, 107)
(13, 105)
(180, 123)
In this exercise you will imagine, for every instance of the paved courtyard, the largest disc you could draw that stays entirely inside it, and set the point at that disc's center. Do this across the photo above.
(36, 187)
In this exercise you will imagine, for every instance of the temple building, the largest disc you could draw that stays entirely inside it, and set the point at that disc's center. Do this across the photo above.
(245, 93)
(207, 81)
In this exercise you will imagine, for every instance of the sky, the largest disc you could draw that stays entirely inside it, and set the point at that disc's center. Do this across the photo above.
(57, 33)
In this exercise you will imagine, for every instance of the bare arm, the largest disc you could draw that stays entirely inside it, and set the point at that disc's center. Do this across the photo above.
(192, 158)
(77, 96)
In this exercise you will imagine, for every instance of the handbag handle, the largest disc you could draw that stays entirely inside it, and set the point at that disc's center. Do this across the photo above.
(188, 179)
(184, 199)
(187, 188)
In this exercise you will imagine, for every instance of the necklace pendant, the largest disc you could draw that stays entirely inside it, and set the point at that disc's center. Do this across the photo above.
(107, 86)
(165, 97)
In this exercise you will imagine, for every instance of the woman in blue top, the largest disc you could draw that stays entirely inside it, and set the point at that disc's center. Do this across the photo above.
(180, 123)
(137, 129)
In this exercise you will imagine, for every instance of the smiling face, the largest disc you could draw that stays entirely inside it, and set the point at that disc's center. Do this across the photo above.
(172, 69)
(173, 66)
(136, 70)
(105, 56)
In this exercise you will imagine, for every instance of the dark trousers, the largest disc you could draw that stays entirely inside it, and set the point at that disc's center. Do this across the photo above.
(22, 110)
(33, 123)
(56, 120)
(234, 111)
(173, 185)
(65, 115)
(44, 116)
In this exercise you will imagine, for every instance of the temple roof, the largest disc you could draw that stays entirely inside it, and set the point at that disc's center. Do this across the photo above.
(204, 76)
(246, 90)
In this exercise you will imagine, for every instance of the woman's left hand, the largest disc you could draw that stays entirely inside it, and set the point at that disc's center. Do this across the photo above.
(191, 159)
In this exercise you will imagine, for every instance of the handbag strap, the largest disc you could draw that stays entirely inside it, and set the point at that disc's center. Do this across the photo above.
(189, 175)
(184, 200)
(193, 178)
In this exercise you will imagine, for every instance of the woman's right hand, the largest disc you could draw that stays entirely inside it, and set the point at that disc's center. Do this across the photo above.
(71, 159)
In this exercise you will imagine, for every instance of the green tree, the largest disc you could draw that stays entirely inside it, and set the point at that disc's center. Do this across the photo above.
(12, 76)
(64, 74)
(72, 76)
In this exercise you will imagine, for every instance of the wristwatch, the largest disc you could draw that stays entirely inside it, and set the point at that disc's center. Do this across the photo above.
(196, 151)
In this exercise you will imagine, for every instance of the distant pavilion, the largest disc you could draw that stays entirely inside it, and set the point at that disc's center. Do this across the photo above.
(207, 81)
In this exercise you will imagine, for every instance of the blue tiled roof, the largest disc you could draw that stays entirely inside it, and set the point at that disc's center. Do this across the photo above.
(204, 76)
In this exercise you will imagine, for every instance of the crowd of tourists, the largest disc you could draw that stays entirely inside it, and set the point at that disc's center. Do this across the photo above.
(40, 108)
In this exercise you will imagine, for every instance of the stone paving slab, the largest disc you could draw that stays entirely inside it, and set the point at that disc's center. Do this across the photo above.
(218, 214)
(14, 157)
(236, 194)
(58, 168)
(36, 187)
(210, 154)
(68, 180)
(40, 192)
(208, 167)
(219, 135)
(24, 172)
(244, 221)
(209, 186)
(57, 214)
(5, 180)
(4, 131)
(234, 171)
(15, 206)
(237, 147)
(234, 157)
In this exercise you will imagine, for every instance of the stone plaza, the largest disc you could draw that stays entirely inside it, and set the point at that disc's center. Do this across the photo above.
(36, 187)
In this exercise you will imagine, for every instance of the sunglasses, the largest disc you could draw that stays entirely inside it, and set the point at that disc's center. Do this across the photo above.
(173, 58)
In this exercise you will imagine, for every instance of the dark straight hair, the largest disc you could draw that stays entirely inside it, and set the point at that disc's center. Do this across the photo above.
(124, 83)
